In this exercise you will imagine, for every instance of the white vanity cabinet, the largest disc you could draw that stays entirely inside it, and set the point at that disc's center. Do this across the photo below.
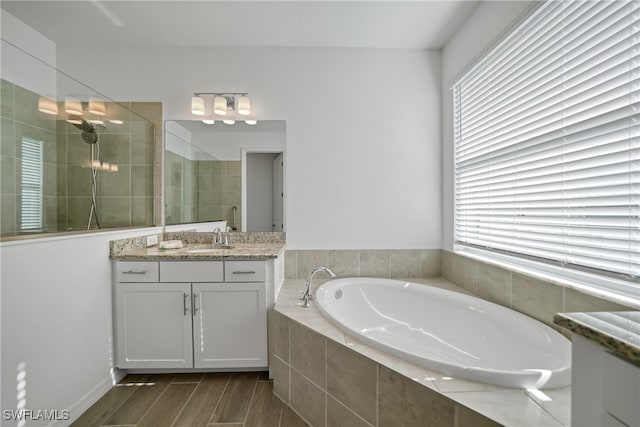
(191, 314)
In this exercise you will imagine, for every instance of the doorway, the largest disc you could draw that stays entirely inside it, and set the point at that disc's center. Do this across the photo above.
(263, 175)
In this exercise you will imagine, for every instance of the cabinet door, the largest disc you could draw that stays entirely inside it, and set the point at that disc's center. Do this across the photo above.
(230, 325)
(153, 325)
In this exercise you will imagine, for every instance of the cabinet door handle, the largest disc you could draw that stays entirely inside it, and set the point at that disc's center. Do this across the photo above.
(184, 303)
(135, 272)
(244, 272)
(193, 303)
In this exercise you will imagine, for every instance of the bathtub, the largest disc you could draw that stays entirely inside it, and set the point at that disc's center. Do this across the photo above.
(449, 332)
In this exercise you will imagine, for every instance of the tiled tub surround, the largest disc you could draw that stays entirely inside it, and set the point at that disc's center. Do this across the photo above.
(526, 293)
(330, 379)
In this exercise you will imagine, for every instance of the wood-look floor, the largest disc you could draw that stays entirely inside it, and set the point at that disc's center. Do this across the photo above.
(238, 399)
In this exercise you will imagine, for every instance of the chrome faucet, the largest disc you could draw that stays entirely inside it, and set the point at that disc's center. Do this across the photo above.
(307, 292)
(219, 238)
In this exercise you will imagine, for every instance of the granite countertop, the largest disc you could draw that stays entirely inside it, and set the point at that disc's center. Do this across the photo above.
(197, 246)
(244, 251)
(616, 331)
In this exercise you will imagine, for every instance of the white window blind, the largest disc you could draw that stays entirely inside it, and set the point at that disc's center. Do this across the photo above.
(31, 185)
(547, 141)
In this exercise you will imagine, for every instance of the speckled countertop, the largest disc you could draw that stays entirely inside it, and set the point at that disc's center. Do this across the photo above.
(616, 331)
(244, 246)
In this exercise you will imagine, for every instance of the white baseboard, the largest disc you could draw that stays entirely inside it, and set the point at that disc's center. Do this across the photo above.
(91, 397)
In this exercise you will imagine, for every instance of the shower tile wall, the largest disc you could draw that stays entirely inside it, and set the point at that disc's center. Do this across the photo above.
(219, 189)
(201, 190)
(125, 197)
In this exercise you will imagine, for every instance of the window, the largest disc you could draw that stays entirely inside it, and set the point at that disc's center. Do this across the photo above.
(547, 144)
(31, 185)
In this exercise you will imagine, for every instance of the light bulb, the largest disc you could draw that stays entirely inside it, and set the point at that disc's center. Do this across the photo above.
(220, 105)
(208, 121)
(229, 122)
(251, 122)
(72, 106)
(197, 106)
(97, 107)
(47, 106)
(244, 105)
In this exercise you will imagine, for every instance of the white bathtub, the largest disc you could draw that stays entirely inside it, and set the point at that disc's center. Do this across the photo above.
(453, 333)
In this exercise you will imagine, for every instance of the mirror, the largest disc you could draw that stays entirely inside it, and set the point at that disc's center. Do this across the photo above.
(221, 172)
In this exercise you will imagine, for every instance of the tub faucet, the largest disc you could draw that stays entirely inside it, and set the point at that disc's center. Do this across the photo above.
(307, 292)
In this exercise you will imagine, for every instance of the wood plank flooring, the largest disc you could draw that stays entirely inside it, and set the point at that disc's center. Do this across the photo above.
(222, 399)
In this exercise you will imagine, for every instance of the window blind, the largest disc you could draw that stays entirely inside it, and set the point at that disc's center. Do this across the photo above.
(547, 141)
(31, 185)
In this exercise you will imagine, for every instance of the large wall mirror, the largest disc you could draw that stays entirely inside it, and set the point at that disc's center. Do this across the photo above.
(72, 160)
(222, 172)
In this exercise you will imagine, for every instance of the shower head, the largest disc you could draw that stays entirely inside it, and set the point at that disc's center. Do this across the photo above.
(89, 134)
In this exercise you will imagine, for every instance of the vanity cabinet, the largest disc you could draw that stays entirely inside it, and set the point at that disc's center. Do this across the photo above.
(191, 314)
(605, 388)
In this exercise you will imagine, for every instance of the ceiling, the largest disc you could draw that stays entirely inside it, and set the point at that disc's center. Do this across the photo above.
(426, 24)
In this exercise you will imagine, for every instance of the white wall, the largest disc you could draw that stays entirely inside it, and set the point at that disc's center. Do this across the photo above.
(28, 57)
(224, 142)
(485, 26)
(56, 318)
(362, 128)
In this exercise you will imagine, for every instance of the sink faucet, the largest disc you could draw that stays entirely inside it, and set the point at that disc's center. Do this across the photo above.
(219, 238)
(307, 292)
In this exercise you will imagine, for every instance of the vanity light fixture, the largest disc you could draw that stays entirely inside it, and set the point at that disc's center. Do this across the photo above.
(97, 107)
(223, 103)
(47, 105)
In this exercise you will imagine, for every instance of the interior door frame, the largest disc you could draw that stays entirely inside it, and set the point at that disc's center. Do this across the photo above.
(243, 164)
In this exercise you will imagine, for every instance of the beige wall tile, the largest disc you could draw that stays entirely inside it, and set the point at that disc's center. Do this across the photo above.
(446, 268)
(291, 264)
(279, 371)
(465, 272)
(351, 378)
(375, 263)
(307, 399)
(308, 353)
(344, 263)
(536, 298)
(404, 263)
(494, 284)
(308, 260)
(430, 263)
(403, 402)
(340, 416)
(465, 417)
(279, 334)
(577, 301)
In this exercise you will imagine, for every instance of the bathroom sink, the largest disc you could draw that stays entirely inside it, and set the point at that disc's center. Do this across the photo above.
(212, 249)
